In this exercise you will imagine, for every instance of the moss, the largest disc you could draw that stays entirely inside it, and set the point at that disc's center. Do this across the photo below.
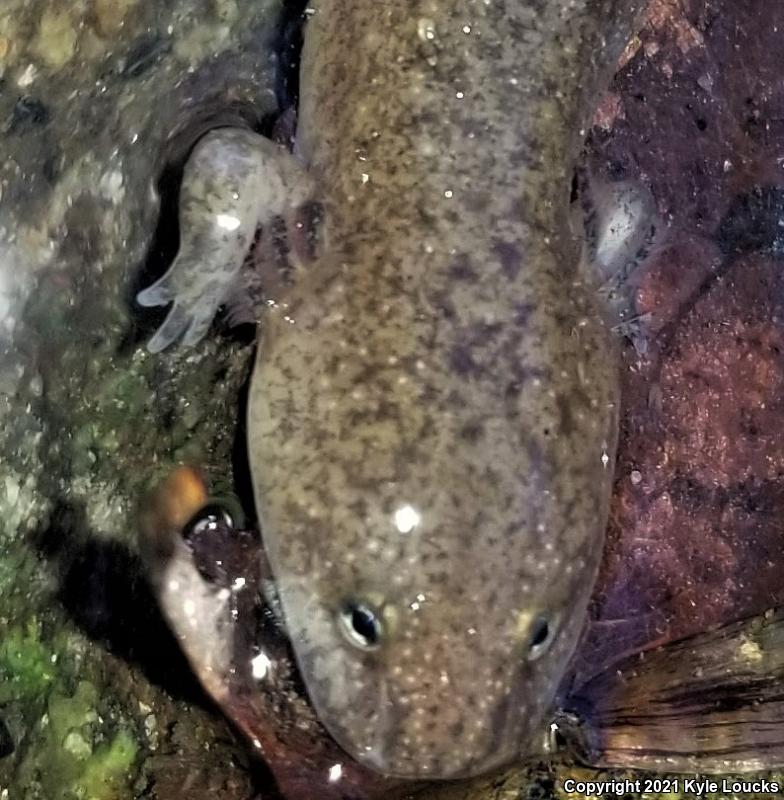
(107, 772)
(26, 664)
(19, 571)
(73, 759)
(70, 713)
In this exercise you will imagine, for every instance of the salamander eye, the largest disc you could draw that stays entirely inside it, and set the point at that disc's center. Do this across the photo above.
(540, 636)
(361, 624)
(210, 535)
(208, 518)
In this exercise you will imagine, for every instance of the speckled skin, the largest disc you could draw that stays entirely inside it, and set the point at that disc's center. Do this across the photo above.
(446, 355)
(233, 181)
(433, 412)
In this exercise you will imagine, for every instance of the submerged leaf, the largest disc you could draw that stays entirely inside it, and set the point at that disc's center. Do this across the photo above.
(711, 703)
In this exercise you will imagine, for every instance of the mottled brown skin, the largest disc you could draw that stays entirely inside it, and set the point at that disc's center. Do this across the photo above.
(696, 534)
(433, 411)
(208, 576)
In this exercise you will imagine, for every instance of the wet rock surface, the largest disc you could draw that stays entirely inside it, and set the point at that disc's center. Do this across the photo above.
(97, 101)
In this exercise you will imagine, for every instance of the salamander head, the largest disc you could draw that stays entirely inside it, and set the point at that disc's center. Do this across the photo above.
(428, 664)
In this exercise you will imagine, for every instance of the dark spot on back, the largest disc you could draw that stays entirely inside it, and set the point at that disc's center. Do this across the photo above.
(462, 362)
(510, 258)
(565, 416)
(523, 313)
(461, 269)
(473, 431)
(476, 201)
(442, 301)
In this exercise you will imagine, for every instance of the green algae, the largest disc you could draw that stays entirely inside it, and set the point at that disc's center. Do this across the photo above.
(108, 770)
(26, 664)
(78, 765)
(80, 754)
(71, 744)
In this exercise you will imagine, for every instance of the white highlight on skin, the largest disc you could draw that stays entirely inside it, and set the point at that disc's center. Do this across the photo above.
(260, 666)
(416, 604)
(407, 518)
(227, 221)
(335, 773)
